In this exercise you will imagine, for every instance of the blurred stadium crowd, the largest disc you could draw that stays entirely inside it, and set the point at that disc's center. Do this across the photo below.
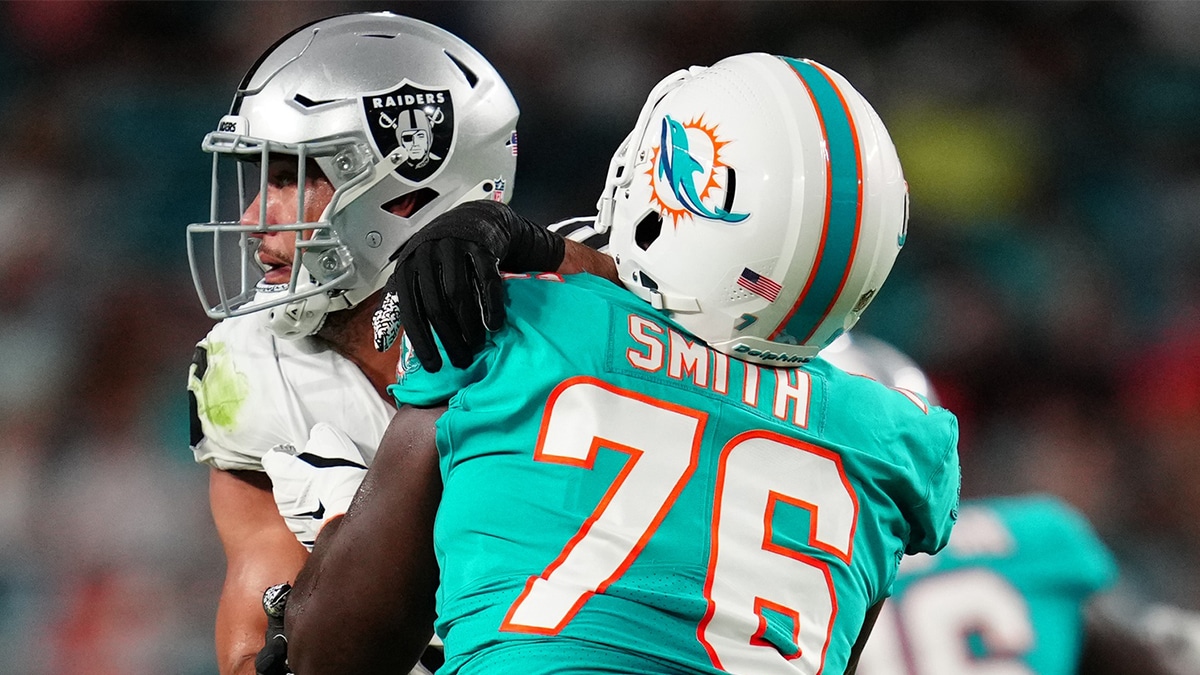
(1050, 283)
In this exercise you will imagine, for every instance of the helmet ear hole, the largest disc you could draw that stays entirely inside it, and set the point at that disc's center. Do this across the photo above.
(646, 280)
(647, 230)
(730, 188)
(408, 204)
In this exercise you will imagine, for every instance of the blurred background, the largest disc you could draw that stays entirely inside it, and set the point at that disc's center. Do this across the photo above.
(1050, 284)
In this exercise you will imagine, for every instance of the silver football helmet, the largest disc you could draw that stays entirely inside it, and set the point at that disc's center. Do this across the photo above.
(388, 108)
(863, 354)
(760, 201)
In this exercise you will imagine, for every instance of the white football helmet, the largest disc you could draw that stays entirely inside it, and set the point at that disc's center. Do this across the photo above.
(863, 354)
(387, 107)
(760, 201)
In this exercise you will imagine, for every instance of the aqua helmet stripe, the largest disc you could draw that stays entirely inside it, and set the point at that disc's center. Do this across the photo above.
(843, 205)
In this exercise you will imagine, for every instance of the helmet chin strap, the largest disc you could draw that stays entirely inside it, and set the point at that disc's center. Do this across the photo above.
(666, 301)
(305, 317)
(300, 318)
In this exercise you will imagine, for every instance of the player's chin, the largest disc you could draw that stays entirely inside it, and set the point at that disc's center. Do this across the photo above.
(278, 274)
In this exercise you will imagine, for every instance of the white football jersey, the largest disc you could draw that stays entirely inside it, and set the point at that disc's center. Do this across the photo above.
(251, 391)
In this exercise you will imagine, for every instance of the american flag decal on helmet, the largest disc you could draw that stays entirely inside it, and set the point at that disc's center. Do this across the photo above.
(759, 285)
(512, 143)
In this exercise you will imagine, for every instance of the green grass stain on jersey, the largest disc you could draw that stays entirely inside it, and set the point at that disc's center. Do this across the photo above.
(222, 390)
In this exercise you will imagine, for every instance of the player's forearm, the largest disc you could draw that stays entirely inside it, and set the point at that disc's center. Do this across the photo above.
(365, 600)
(259, 552)
(341, 615)
(239, 636)
(313, 635)
(316, 643)
(241, 622)
(239, 664)
(582, 258)
(236, 644)
(243, 664)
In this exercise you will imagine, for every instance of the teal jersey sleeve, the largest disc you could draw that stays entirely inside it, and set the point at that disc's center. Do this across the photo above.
(917, 439)
(617, 497)
(1010, 588)
(419, 387)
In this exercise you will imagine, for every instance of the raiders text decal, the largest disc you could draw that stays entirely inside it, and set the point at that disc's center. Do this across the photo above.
(417, 121)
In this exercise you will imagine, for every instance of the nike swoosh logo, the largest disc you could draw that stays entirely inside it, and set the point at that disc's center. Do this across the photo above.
(327, 462)
(317, 515)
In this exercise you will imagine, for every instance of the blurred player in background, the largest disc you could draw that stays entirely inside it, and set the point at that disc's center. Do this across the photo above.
(616, 493)
(1015, 591)
(345, 138)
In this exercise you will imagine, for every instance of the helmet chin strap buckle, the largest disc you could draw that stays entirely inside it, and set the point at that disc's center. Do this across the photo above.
(663, 301)
(298, 319)
(679, 303)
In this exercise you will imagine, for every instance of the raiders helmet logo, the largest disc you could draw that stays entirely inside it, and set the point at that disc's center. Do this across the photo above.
(416, 121)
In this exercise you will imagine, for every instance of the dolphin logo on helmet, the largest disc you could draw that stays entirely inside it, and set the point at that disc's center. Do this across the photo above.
(819, 173)
(679, 168)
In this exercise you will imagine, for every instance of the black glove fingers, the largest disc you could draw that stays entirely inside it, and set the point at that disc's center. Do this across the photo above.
(438, 277)
(450, 270)
(412, 320)
(467, 306)
(489, 291)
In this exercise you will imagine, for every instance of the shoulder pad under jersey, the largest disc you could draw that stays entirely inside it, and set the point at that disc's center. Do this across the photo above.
(251, 391)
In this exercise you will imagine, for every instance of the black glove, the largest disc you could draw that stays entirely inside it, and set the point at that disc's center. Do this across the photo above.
(447, 278)
(272, 658)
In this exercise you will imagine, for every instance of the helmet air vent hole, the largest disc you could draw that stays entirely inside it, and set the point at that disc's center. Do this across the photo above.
(407, 205)
(472, 78)
(647, 230)
(308, 102)
(379, 35)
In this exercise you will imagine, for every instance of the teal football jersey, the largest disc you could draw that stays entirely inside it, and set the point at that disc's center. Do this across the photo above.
(1005, 596)
(618, 498)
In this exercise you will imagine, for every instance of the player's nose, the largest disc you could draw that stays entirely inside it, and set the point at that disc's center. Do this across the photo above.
(253, 215)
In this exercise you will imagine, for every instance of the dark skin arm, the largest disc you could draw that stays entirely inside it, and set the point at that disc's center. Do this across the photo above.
(260, 551)
(365, 600)
(580, 258)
